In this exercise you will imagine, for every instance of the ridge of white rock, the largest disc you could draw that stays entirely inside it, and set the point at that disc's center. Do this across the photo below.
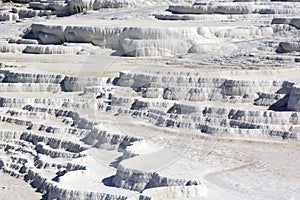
(29, 87)
(175, 192)
(51, 49)
(134, 41)
(233, 8)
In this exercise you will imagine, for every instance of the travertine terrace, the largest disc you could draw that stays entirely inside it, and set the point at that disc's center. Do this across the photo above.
(149, 100)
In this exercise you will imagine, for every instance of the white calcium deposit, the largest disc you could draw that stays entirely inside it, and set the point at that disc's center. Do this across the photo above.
(149, 100)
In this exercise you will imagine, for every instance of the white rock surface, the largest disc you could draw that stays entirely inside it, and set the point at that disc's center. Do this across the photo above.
(122, 99)
(51, 49)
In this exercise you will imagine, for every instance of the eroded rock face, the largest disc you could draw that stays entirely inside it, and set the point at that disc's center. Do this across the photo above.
(294, 102)
(286, 47)
(295, 22)
(8, 17)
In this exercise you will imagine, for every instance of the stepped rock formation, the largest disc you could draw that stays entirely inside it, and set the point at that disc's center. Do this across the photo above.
(149, 100)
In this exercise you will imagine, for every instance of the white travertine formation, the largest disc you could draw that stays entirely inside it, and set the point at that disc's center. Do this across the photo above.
(80, 83)
(63, 8)
(143, 41)
(17, 77)
(12, 48)
(233, 8)
(23, 41)
(176, 192)
(81, 5)
(210, 9)
(144, 100)
(29, 87)
(142, 48)
(8, 17)
(144, 179)
(51, 49)
(103, 139)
